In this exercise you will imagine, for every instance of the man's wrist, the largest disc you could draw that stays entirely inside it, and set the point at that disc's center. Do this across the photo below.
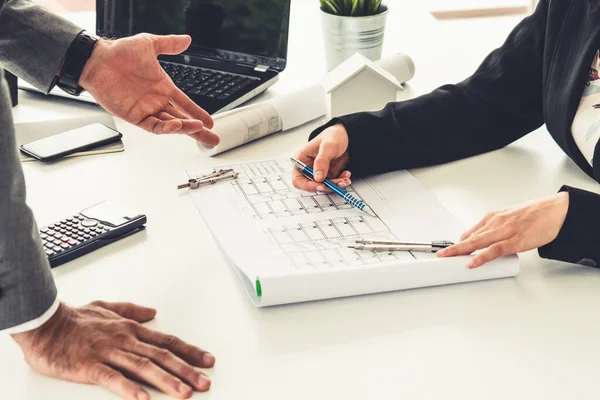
(90, 69)
(35, 323)
(78, 54)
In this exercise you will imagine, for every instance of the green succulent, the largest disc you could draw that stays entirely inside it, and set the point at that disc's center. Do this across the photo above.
(352, 8)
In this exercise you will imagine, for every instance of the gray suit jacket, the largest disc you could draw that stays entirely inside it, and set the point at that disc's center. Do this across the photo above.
(33, 43)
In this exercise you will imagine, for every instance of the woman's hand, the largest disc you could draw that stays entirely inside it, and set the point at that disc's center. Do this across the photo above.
(512, 231)
(328, 155)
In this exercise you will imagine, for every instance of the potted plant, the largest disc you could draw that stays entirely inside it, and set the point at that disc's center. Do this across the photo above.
(352, 26)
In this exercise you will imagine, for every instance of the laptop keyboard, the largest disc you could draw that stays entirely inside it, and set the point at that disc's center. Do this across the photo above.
(206, 82)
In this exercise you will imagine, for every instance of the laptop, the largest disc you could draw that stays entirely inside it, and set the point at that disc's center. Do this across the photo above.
(238, 49)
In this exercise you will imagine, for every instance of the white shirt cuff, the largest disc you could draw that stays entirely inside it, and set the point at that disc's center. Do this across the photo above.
(35, 323)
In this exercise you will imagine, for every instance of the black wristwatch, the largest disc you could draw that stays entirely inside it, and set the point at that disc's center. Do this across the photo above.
(77, 56)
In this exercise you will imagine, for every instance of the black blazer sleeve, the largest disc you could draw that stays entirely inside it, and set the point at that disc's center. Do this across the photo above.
(578, 239)
(498, 104)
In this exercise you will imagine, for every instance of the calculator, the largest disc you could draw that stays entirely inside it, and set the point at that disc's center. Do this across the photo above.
(89, 230)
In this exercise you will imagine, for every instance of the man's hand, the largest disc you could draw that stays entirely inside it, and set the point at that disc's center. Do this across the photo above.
(105, 344)
(125, 77)
(328, 155)
(512, 231)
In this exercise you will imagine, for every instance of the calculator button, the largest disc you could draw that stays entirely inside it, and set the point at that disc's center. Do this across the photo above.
(79, 217)
(50, 253)
(69, 224)
(100, 227)
(57, 249)
(99, 231)
(73, 242)
(86, 236)
(43, 236)
(50, 232)
(44, 230)
(86, 231)
(80, 238)
(57, 242)
(89, 223)
(70, 219)
(65, 238)
(64, 221)
(63, 231)
(65, 246)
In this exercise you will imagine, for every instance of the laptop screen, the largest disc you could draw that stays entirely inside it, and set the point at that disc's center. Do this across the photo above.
(253, 27)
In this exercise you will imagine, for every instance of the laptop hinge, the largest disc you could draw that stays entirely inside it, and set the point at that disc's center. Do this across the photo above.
(261, 68)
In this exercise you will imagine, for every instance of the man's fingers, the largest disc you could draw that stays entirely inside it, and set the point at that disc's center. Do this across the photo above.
(476, 242)
(205, 136)
(145, 370)
(128, 310)
(114, 381)
(173, 364)
(176, 112)
(185, 351)
(159, 127)
(170, 44)
(491, 253)
(328, 151)
(186, 105)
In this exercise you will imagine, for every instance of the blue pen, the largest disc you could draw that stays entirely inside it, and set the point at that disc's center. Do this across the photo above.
(309, 173)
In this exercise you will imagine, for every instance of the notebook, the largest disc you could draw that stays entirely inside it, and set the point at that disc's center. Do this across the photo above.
(290, 246)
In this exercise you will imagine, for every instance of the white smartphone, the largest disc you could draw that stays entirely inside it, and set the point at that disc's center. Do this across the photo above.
(73, 141)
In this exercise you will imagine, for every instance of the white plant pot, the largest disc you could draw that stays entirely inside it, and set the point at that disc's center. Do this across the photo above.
(346, 36)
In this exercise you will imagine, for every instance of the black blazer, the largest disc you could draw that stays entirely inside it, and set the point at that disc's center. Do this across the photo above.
(536, 77)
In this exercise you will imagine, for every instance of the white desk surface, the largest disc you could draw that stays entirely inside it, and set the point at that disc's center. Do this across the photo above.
(530, 337)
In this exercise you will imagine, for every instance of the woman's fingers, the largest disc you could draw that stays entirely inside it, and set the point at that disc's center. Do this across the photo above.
(173, 364)
(145, 370)
(328, 151)
(303, 183)
(478, 226)
(476, 242)
(497, 250)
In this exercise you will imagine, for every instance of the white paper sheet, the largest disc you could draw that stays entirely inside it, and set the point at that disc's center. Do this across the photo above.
(246, 124)
(293, 244)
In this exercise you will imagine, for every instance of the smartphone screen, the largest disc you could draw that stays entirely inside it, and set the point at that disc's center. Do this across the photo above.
(71, 142)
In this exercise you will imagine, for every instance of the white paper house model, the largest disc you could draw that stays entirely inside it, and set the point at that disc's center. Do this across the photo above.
(358, 84)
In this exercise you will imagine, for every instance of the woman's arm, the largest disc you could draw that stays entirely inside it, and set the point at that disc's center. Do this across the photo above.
(563, 227)
(499, 104)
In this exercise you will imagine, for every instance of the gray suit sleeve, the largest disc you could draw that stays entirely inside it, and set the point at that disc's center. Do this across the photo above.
(26, 286)
(33, 42)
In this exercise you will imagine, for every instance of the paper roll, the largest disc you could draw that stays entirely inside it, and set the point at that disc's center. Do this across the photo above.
(246, 124)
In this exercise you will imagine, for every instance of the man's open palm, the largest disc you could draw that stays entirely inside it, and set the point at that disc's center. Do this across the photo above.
(125, 78)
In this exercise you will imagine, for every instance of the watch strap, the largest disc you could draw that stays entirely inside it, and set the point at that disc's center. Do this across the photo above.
(77, 56)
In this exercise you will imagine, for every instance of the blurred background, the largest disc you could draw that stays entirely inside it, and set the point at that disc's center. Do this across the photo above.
(441, 9)
(492, 20)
